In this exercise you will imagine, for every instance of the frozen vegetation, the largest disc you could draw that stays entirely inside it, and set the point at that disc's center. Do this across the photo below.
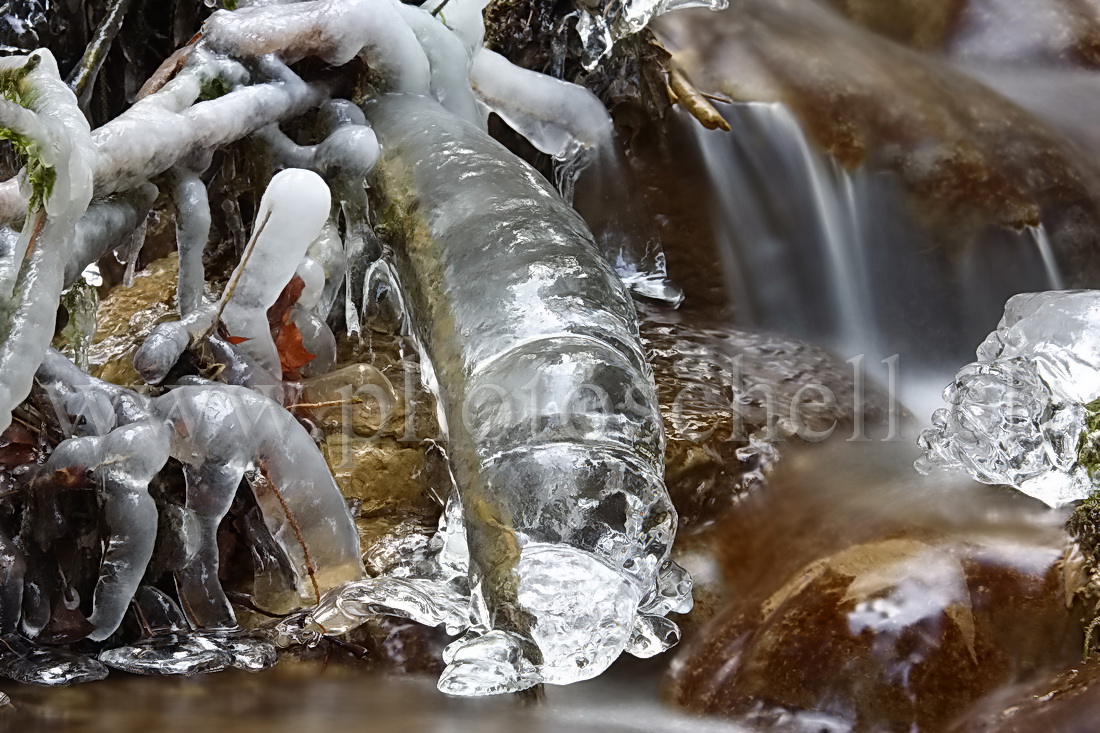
(553, 555)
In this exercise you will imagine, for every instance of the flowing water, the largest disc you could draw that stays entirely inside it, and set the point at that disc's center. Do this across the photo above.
(837, 258)
(837, 255)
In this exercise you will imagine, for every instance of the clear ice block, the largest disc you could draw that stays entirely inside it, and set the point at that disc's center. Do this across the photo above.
(1021, 414)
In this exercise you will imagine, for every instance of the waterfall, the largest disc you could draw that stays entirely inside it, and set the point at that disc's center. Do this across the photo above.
(838, 257)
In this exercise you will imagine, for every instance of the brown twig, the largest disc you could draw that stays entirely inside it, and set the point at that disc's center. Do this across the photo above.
(310, 569)
(332, 403)
(681, 90)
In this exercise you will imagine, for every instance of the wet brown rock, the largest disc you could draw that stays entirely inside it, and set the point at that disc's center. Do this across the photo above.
(925, 24)
(968, 157)
(127, 315)
(1067, 702)
(888, 635)
(1047, 32)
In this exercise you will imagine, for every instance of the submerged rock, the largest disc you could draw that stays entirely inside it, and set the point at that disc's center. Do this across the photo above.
(1063, 702)
(861, 595)
(894, 634)
(732, 400)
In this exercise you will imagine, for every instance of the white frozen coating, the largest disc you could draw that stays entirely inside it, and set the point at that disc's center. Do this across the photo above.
(448, 56)
(148, 139)
(554, 556)
(335, 31)
(1016, 416)
(34, 277)
(558, 118)
(464, 17)
(292, 212)
(219, 433)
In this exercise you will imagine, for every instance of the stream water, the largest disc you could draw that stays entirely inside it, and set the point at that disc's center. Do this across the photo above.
(836, 589)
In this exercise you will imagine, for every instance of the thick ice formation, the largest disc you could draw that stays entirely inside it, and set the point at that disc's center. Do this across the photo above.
(192, 233)
(553, 555)
(553, 429)
(1018, 415)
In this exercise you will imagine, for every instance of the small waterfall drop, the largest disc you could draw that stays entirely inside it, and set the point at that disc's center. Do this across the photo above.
(840, 258)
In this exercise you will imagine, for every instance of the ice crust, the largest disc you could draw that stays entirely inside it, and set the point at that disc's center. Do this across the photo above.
(1017, 415)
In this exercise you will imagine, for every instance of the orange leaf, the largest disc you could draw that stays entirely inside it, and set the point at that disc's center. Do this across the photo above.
(292, 353)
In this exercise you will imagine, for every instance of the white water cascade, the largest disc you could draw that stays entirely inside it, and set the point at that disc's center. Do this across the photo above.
(838, 258)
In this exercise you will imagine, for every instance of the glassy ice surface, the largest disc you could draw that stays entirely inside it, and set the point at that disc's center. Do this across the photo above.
(553, 554)
(1017, 416)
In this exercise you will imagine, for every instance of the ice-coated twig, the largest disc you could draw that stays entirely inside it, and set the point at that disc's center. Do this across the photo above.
(84, 76)
(218, 432)
(335, 31)
(559, 118)
(35, 276)
(161, 130)
(569, 123)
(221, 432)
(449, 58)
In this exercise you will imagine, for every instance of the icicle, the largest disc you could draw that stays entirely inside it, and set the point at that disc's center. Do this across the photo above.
(218, 433)
(12, 568)
(123, 461)
(105, 225)
(192, 234)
